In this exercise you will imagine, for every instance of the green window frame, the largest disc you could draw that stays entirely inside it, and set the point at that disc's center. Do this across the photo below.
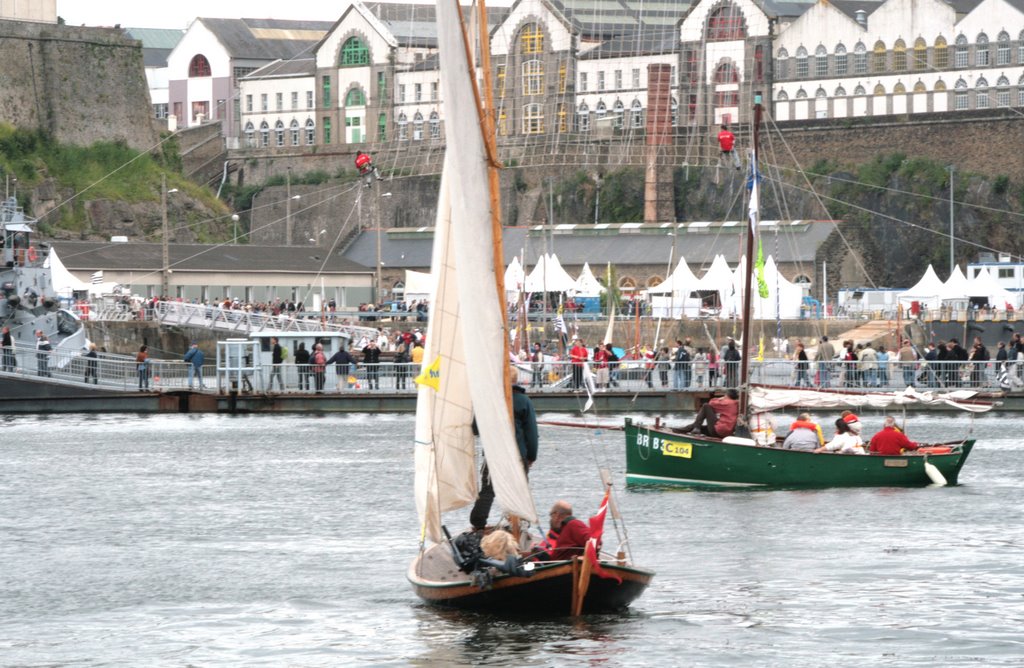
(327, 90)
(382, 127)
(327, 130)
(354, 53)
(355, 98)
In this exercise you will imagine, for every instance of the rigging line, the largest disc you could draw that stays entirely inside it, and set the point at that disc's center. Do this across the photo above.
(879, 214)
(908, 193)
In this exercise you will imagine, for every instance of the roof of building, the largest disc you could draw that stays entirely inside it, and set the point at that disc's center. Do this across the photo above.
(157, 44)
(647, 42)
(245, 258)
(267, 39)
(285, 68)
(627, 244)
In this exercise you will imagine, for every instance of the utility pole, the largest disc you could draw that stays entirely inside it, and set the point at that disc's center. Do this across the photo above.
(165, 274)
(952, 262)
(288, 209)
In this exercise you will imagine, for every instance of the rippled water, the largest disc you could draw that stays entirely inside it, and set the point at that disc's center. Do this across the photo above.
(216, 540)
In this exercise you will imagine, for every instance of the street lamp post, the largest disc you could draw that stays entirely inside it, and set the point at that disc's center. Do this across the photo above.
(234, 228)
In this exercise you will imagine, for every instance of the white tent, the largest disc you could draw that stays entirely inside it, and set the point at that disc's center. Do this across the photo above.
(417, 285)
(718, 278)
(783, 300)
(671, 298)
(64, 282)
(515, 277)
(587, 284)
(928, 291)
(985, 285)
(956, 286)
(548, 276)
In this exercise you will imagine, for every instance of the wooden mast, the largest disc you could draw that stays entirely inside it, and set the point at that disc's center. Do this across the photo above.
(749, 270)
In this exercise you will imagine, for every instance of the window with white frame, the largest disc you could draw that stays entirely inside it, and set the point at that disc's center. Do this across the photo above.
(801, 94)
(783, 96)
(309, 99)
(673, 77)
(1003, 48)
(981, 94)
(417, 127)
(619, 111)
(279, 99)
(435, 125)
(279, 133)
(840, 60)
(403, 127)
(636, 77)
(801, 63)
(860, 58)
(583, 118)
(264, 134)
(821, 61)
(960, 53)
(1003, 92)
(859, 90)
(401, 92)
(600, 81)
(600, 110)
(295, 132)
(960, 101)
(310, 132)
(1020, 91)
(636, 114)
(248, 103)
(981, 52)
(417, 92)
(433, 91)
(618, 79)
(533, 119)
(840, 92)
(264, 102)
(250, 135)
(1020, 48)
(583, 82)
(295, 100)
(782, 64)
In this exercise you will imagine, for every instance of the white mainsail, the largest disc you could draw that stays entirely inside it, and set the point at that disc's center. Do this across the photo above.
(476, 311)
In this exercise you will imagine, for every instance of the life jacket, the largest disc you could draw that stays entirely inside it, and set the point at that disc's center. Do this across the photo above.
(813, 426)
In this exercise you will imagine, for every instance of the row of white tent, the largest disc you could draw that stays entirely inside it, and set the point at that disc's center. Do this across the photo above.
(681, 294)
(931, 291)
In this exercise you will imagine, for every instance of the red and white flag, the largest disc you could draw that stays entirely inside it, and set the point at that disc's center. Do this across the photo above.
(593, 543)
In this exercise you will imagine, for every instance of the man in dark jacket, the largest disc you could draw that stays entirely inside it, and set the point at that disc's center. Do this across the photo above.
(345, 364)
(527, 438)
(371, 359)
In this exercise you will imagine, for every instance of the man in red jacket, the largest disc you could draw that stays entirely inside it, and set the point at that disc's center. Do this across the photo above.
(366, 168)
(726, 142)
(578, 356)
(568, 533)
(890, 441)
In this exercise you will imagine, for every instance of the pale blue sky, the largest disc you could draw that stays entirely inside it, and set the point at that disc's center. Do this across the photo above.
(179, 13)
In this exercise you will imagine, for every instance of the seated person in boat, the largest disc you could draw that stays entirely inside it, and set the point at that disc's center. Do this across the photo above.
(804, 434)
(715, 418)
(567, 537)
(847, 440)
(891, 441)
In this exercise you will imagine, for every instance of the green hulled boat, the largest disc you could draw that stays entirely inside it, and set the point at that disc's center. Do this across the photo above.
(657, 456)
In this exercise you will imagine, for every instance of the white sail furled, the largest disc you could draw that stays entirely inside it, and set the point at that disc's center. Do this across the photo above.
(481, 307)
(445, 447)
(774, 398)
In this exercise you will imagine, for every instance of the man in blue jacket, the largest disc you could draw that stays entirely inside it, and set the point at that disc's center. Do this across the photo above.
(195, 358)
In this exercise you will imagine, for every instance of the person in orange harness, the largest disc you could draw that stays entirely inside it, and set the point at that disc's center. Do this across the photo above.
(366, 169)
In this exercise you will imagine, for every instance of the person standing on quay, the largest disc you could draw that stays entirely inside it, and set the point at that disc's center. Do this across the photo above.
(142, 365)
(92, 365)
(43, 351)
(194, 358)
(371, 360)
(318, 363)
(276, 360)
(302, 362)
(7, 343)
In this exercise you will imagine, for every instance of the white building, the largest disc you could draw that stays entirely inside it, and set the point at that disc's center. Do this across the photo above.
(157, 46)
(42, 11)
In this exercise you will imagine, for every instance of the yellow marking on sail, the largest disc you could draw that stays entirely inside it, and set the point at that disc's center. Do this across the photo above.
(431, 375)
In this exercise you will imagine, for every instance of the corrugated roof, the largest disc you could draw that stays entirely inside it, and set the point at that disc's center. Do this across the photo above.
(285, 68)
(96, 255)
(651, 41)
(267, 39)
(637, 245)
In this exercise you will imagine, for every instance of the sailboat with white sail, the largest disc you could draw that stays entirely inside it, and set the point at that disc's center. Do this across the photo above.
(461, 383)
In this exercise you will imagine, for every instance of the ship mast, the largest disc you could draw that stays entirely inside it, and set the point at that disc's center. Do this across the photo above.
(749, 268)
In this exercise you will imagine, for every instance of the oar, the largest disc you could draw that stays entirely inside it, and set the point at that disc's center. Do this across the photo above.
(581, 425)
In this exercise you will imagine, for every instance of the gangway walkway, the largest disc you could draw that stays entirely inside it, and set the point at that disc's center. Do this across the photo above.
(244, 323)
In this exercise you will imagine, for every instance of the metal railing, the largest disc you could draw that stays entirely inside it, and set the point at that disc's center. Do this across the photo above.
(245, 322)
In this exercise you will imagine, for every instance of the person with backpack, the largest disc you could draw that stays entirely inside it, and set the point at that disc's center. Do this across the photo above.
(681, 367)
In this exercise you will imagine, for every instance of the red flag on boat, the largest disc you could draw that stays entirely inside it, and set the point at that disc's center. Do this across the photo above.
(596, 529)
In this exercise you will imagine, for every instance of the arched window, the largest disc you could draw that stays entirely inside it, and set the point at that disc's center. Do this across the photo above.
(1003, 92)
(619, 110)
(782, 64)
(981, 52)
(840, 92)
(533, 77)
(940, 85)
(981, 94)
(355, 98)
(310, 132)
(899, 88)
(878, 57)
(783, 96)
(941, 53)
(403, 127)
(1020, 48)
(801, 63)
(820, 93)
(435, 125)
(295, 131)
(600, 110)
(960, 101)
(801, 94)
(840, 59)
(264, 134)
(920, 54)
(354, 53)
(533, 119)
(532, 39)
(919, 87)
(627, 283)
(1020, 91)
(636, 114)
(859, 90)
(821, 61)
(726, 23)
(860, 58)
(250, 135)
(726, 75)
(960, 53)
(199, 67)
(279, 133)
(879, 89)
(899, 56)
(583, 118)
(417, 126)
(1003, 48)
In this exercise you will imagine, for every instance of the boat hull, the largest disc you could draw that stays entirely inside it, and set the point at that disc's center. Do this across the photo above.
(538, 594)
(657, 456)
